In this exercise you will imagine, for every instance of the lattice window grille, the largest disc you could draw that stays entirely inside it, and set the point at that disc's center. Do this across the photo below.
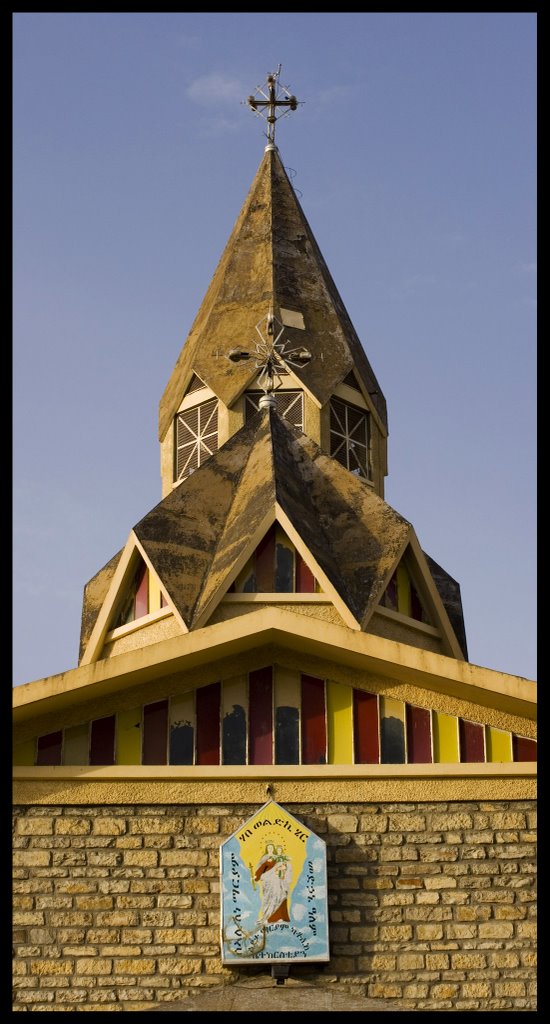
(196, 437)
(289, 405)
(351, 381)
(195, 384)
(349, 437)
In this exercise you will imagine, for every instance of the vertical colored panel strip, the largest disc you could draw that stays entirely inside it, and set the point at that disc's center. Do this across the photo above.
(403, 590)
(102, 740)
(419, 735)
(265, 563)
(339, 723)
(128, 736)
(208, 723)
(234, 701)
(305, 580)
(284, 563)
(48, 748)
(182, 728)
(445, 732)
(260, 716)
(417, 610)
(314, 733)
(24, 753)
(287, 716)
(365, 727)
(155, 595)
(155, 733)
(498, 743)
(392, 731)
(524, 749)
(76, 748)
(142, 592)
(472, 741)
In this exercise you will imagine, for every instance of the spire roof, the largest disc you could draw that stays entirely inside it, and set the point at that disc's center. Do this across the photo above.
(198, 537)
(271, 263)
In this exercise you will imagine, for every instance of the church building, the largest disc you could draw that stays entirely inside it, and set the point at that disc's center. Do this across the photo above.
(274, 644)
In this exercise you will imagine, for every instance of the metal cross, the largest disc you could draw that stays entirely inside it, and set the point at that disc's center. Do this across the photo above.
(275, 96)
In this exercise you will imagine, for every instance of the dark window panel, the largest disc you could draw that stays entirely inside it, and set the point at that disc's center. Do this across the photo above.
(286, 735)
(524, 749)
(208, 723)
(314, 733)
(265, 563)
(102, 740)
(305, 580)
(392, 741)
(419, 735)
(365, 727)
(472, 743)
(181, 744)
(260, 714)
(48, 748)
(155, 733)
(234, 736)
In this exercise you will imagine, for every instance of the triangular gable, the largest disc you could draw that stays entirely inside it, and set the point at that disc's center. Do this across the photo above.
(275, 567)
(402, 595)
(135, 586)
(410, 591)
(274, 561)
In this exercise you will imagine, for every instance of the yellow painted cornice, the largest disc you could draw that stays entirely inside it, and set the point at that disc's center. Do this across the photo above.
(231, 784)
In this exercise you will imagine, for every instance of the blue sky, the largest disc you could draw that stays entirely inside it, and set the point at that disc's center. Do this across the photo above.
(414, 158)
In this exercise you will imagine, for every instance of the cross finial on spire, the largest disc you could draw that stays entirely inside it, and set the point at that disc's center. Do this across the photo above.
(274, 96)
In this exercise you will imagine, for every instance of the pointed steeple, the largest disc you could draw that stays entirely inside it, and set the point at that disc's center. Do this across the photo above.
(271, 263)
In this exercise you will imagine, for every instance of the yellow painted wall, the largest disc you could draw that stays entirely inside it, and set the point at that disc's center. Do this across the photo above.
(76, 745)
(498, 745)
(24, 753)
(339, 723)
(128, 736)
(234, 692)
(445, 738)
(287, 688)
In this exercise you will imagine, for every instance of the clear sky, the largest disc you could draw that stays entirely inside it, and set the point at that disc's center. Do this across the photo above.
(414, 157)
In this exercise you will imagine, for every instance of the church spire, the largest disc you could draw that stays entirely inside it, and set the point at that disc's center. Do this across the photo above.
(271, 262)
(272, 280)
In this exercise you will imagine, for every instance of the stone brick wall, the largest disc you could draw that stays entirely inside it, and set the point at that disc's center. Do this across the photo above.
(431, 904)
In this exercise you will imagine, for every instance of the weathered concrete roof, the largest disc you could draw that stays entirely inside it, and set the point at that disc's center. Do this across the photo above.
(198, 537)
(449, 592)
(271, 260)
(95, 593)
(195, 537)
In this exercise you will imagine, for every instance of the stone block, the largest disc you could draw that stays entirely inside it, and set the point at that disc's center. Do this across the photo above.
(155, 826)
(135, 965)
(94, 965)
(72, 826)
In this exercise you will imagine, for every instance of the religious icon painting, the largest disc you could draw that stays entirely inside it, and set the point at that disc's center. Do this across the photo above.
(273, 891)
